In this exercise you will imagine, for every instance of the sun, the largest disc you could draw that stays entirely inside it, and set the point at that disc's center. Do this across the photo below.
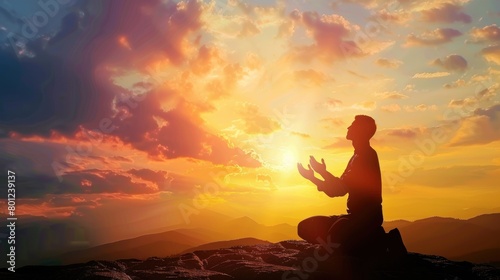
(289, 159)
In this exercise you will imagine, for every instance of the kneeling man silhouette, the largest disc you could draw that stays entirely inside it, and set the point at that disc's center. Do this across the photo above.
(360, 231)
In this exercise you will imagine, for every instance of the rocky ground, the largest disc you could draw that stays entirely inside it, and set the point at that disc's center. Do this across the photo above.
(287, 260)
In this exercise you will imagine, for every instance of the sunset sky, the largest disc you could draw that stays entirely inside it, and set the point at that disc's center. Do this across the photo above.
(112, 112)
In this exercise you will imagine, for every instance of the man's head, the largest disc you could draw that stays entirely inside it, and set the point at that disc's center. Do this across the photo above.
(362, 128)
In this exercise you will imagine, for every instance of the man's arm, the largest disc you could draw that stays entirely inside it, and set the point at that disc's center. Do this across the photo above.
(332, 186)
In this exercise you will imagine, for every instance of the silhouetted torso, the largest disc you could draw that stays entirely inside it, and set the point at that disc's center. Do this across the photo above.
(363, 180)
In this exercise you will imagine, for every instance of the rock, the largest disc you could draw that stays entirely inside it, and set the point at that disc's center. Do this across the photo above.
(287, 260)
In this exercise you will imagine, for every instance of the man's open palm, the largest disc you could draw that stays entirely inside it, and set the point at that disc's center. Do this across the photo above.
(306, 173)
(316, 166)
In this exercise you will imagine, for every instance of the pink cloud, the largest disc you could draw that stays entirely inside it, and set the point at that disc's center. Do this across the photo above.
(452, 62)
(446, 12)
(330, 34)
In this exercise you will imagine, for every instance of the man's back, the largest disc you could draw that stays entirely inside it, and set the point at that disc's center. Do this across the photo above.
(363, 180)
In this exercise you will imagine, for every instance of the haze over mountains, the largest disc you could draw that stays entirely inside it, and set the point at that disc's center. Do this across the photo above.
(475, 240)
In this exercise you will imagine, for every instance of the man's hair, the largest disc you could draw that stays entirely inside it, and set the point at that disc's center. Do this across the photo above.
(368, 124)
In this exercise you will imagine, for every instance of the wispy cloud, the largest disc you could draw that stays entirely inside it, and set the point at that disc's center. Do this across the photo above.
(427, 75)
(389, 63)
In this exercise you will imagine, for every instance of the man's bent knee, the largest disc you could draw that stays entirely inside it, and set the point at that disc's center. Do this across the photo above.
(302, 230)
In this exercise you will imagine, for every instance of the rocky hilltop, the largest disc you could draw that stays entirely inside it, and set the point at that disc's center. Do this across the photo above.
(287, 260)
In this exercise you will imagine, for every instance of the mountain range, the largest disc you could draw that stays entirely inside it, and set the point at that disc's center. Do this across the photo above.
(475, 240)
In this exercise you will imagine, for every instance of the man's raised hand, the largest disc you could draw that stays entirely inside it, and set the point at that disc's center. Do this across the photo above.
(316, 166)
(306, 173)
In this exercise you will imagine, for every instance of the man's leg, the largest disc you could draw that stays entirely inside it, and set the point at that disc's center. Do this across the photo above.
(357, 236)
(341, 229)
(315, 228)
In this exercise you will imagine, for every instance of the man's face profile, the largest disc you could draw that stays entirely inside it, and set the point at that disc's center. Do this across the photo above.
(352, 130)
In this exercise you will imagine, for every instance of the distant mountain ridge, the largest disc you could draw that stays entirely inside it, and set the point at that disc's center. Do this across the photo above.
(476, 239)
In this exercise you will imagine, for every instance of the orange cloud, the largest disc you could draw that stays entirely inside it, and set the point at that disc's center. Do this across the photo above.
(392, 95)
(490, 33)
(462, 102)
(410, 133)
(420, 108)
(389, 63)
(333, 122)
(492, 54)
(314, 77)
(398, 17)
(482, 127)
(248, 29)
(455, 84)
(391, 108)
(255, 122)
(430, 75)
(436, 37)
(367, 105)
(207, 57)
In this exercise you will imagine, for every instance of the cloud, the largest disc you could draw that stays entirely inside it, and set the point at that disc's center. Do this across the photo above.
(454, 63)
(456, 84)
(392, 95)
(300, 134)
(389, 63)
(81, 182)
(367, 105)
(267, 179)
(255, 122)
(365, 3)
(164, 132)
(391, 108)
(446, 13)
(159, 178)
(312, 76)
(490, 33)
(356, 74)
(286, 28)
(207, 57)
(329, 34)
(420, 108)
(464, 175)
(397, 17)
(407, 133)
(459, 103)
(482, 127)
(492, 54)
(248, 29)
(436, 37)
(338, 143)
(432, 75)
(481, 94)
(333, 123)
(334, 104)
